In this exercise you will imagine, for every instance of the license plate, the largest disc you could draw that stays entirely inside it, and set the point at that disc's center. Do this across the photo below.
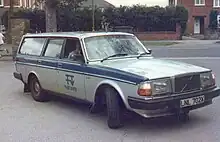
(192, 101)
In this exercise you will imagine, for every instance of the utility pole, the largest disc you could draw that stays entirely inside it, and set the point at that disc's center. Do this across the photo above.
(10, 12)
(93, 16)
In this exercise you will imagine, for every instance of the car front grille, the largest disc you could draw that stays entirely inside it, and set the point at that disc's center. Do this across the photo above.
(187, 83)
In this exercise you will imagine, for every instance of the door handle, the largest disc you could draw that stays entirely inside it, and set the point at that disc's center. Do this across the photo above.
(20, 59)
(60, 64)
(38, 61)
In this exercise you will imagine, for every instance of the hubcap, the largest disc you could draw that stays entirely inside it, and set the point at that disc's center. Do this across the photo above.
(36, 88)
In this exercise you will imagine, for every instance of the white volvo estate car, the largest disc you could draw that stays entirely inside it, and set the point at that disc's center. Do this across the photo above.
(112, 71)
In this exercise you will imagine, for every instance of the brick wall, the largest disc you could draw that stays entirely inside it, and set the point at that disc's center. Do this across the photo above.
(166, 35)
(193, 10)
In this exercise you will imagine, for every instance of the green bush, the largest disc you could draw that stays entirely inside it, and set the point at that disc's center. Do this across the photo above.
(181, 16)
(36, 17)
(213, 19)
(141, 18)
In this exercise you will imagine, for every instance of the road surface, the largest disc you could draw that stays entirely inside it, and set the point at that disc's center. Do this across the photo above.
(24, 120)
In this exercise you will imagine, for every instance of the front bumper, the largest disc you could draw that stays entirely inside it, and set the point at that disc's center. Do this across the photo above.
(17, 76)
(169, 105)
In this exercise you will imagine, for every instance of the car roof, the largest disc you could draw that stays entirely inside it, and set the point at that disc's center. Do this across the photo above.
(74, 34)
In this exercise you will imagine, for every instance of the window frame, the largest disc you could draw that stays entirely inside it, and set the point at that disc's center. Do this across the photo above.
(19, 5)
(63, 50)
(172, 4)
(46, 46)
(95, 60)
(199, 4)
(2, 3)
(42, 50)
(218, 5)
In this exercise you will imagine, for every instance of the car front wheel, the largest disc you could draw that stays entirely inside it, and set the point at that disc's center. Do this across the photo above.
(114, 108)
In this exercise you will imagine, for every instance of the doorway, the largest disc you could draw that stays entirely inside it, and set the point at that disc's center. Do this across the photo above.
(199, 25)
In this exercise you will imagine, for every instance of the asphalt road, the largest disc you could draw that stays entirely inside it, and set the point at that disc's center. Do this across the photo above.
(188, 50)
(24, 120)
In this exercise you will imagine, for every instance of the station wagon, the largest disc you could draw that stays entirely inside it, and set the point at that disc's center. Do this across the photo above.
(112, 71)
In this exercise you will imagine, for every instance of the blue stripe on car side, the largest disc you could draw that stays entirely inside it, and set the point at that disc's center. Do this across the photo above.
(49, 63)
(95, 70)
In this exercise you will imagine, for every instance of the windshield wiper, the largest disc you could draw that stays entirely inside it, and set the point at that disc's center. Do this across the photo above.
(115, 55)
(145, 53)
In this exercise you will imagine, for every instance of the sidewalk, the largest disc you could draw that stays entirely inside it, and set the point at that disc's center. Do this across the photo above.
(179, 43)
(7, 56)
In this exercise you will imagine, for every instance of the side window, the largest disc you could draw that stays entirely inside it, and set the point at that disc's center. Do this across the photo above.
(73, 50)
(54, 48)
(32, 46)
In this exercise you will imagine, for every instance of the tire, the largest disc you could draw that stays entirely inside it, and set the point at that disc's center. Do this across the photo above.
(114, 109)
(36, 90)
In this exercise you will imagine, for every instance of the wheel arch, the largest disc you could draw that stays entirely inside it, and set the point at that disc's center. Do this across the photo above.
(32, 73)
(108, 83)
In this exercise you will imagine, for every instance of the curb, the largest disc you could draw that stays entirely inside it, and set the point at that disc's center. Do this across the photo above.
(6, 58)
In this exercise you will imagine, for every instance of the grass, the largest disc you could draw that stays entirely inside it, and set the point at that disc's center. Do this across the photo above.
(159, 43)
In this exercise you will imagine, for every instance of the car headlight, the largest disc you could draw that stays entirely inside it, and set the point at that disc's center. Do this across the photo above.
(155, 87)
(207, 80)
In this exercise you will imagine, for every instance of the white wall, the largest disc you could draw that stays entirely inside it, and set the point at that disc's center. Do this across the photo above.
(142, 2)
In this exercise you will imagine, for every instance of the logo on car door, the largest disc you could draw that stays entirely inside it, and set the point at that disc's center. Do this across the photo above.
(70, 81)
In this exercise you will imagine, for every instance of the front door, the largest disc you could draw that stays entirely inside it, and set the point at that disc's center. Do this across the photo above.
(196, 26)
(71, 79)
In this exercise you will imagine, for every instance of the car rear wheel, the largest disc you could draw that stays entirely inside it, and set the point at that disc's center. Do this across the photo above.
(36, 90)
(114, 109)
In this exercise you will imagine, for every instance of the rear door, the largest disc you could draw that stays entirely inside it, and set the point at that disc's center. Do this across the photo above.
(49, 63)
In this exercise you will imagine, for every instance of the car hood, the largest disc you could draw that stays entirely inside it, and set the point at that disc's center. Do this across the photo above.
(152, 68)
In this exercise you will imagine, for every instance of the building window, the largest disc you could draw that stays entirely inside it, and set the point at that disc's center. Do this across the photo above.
(17, 3)
(1, 3)
(199, 2)
(171, 2)
(216, 3)
(29, 3)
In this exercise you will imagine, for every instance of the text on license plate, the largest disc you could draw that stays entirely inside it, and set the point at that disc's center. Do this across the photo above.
(192, 101)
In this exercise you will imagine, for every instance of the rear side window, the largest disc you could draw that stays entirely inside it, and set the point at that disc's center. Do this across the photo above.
(54, 48)
(32, 46)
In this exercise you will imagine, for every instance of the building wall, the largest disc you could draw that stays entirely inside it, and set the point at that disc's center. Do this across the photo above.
(203, 10)
(163, 35)
(16, 3)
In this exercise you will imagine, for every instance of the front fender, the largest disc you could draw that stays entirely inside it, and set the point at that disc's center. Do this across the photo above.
(115, 86)
(34, 73)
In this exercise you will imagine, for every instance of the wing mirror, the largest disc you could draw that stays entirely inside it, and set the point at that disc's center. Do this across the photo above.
(150, 50)
(78, 58)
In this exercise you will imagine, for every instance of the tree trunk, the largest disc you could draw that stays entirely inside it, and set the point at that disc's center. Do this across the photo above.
(9, 30)
(51, 19)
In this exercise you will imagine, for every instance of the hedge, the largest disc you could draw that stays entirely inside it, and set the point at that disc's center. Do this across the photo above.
(213, 23)
(141, 18)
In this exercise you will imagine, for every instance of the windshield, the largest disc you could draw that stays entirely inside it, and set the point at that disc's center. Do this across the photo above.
(100, 47)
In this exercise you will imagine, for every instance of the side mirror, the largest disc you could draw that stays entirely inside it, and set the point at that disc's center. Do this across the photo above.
(150, 50)
(78, 58)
